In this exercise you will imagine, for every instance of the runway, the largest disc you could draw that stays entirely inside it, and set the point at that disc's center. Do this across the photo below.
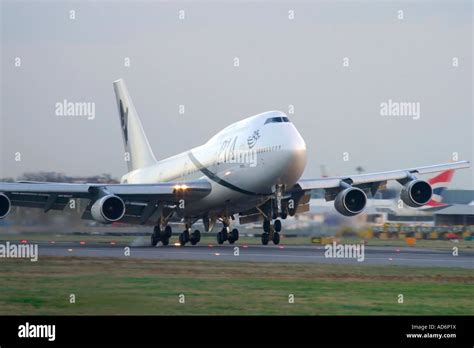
(403, 256)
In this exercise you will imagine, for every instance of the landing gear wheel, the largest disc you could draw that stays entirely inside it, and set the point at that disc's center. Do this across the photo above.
(284, 215)
(155, 238)
(164, 236)
(277, 225)
(167, 232)
(265, 238)
(276, 238)
(220, 238)
(225, 233)
(195, 237)
(266, 226)
(184, 237)
(235, 235)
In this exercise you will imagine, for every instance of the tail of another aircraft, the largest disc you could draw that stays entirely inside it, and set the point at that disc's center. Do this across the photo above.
(137, 149)
(439, 183)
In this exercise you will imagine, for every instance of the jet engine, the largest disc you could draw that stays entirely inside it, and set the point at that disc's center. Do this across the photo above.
(350, 201)
(5, 205)
(108, 209)
(416, 193)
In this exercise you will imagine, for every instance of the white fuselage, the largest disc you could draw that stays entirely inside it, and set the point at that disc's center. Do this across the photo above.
(244, 162)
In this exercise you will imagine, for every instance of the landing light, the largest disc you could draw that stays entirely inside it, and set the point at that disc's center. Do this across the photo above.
(181, 187)
(227, 173)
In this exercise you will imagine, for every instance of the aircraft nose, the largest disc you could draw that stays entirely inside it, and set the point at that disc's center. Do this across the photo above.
(295, 157)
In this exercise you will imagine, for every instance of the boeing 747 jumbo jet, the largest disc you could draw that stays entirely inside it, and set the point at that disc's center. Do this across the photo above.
(250, 170)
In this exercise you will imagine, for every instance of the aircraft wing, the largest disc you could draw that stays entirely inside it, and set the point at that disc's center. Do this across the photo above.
(300, 193)
(141, 200)
(375, 179)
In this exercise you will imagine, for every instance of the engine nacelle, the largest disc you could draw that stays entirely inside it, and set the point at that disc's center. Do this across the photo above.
(108, 209)
(5, 205)
(350, 201)
(416, 193)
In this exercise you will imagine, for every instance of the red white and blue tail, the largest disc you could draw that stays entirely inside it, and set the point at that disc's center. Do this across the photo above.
(439, 183)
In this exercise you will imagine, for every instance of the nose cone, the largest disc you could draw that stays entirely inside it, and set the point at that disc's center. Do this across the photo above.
(295, 153)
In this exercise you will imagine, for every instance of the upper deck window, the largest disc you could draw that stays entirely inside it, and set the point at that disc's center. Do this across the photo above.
(277, 119)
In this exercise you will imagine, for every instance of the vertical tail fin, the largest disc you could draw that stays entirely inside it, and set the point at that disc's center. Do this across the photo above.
(439, 183)
(136, 144)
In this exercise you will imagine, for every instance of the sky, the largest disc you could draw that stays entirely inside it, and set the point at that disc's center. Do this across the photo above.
(329, 65)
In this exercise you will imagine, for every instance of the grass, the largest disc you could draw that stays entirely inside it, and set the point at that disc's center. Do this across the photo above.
(118, 286)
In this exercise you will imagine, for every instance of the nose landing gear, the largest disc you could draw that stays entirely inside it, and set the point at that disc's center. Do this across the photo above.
(273, 210)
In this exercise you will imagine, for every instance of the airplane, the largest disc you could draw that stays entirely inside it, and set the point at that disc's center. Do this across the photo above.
(251, 169)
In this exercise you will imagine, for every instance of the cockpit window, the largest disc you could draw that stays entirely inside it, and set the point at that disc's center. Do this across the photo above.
(277, 120)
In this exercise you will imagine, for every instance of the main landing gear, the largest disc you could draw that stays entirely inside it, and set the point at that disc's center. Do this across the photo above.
(271, 232)
(189, 237)
(185, 237)
(160, 235)
(226, 234)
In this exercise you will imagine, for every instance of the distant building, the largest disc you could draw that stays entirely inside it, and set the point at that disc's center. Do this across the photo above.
(458, 214)
(458, 196)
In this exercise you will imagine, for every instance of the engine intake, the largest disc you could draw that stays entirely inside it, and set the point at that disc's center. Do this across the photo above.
(5, 205)
(108, 209)
(416, 193)
(350, 201)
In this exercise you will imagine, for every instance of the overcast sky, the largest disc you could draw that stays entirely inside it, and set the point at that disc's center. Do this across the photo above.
(282, 62)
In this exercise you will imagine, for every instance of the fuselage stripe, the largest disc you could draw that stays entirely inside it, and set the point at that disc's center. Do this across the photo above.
(219, 180)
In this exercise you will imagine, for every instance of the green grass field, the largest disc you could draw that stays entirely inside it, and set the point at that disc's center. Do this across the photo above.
(119, 286)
